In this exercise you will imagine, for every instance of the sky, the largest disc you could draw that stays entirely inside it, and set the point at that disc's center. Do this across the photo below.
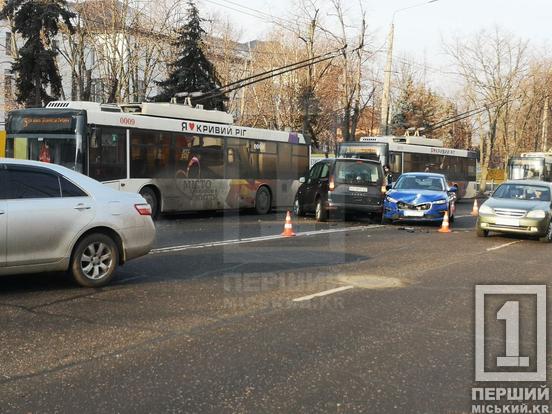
(419, 31)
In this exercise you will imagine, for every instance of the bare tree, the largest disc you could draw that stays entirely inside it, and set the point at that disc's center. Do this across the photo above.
(76, 54)
(120, 48)
(150, 45)
(11, 48)
(353, 99)
(493, 65)
(231, 58)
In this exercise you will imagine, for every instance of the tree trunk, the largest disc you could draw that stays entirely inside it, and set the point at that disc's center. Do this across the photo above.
(87, 92)
(37, 97)
(345, 125)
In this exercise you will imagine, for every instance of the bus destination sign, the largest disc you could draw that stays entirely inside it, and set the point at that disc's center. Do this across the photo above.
(41, 123)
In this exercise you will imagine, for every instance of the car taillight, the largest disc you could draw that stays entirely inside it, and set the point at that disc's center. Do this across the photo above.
(143, 209)
(332, 183)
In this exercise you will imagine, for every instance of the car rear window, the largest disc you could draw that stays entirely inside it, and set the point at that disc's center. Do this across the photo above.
(68, 189)
(357, 172)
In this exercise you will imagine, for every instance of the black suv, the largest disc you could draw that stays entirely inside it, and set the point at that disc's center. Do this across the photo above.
(341, 185)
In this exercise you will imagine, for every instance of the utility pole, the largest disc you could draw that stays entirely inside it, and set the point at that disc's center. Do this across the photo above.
(309, 88)
(384, 123)
(246, 72)
(545, 125)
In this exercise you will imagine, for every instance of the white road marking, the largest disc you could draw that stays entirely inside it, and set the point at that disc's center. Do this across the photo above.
(463, 216)
(324, 293)
(490, 249)
(184, 247)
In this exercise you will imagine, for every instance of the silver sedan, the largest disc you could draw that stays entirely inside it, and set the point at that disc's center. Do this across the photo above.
(55, 219)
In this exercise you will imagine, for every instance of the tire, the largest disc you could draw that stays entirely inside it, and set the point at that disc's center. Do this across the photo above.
(94, 260)
(385, 220)
(151, 197)
(263, 201)
(320, 211)
(547, 238)
(298, 208)
(482, 233)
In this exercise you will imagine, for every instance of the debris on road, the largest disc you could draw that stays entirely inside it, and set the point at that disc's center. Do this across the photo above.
(408, 229)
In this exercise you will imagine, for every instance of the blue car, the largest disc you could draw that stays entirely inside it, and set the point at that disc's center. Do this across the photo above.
(419, 197)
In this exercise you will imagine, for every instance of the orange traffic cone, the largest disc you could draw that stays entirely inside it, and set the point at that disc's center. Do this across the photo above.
(475, 209)
(445, 226)
(288, 228)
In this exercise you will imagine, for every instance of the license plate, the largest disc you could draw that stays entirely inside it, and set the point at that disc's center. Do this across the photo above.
(358, 189)
(507, 222)
(413, 213)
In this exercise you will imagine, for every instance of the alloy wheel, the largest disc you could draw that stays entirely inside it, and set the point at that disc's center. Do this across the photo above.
(96, 260)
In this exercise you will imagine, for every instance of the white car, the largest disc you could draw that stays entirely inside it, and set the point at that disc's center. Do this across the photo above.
(55, 219)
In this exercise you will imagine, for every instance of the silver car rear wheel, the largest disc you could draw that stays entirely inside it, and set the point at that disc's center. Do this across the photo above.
(94, 260)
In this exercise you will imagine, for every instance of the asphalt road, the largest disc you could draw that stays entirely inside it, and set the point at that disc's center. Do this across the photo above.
(218, 319)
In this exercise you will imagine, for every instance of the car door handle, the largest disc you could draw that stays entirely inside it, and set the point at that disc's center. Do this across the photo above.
(82, 207)
(2, 212)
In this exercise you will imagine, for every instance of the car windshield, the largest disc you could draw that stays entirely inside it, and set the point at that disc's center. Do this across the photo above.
(420, 182)
(357, 172)
(522, 192)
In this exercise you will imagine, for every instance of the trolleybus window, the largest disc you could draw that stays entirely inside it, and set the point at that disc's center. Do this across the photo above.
(108, 154)
(149, 154)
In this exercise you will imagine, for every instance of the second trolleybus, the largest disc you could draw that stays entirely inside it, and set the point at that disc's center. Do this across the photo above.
(418, 154)
(531, 166)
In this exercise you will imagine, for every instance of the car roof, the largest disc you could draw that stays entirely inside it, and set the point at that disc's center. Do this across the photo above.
(529, 182)
(14, 161)
(74, 176)
(354, 159)
(55, 167)
(426, 174)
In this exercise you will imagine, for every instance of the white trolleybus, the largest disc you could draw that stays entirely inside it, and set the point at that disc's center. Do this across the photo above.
(531, 166)
(178, 157)
(418, 154)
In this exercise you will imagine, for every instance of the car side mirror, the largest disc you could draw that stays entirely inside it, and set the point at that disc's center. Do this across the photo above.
(302, 180)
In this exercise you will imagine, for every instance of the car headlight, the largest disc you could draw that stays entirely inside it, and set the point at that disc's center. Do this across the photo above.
(438, 202)
(485, 210)
(536, 214)
(391, 199)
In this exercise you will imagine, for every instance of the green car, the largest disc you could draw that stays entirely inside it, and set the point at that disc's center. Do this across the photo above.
(522, 207)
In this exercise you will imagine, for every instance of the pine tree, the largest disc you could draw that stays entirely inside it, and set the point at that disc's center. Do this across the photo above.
(417, 107)
(38, 22)
(192, 71)
(401, 120)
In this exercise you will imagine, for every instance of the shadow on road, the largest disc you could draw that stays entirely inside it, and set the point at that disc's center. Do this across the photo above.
(263, 261)
(36, 282)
